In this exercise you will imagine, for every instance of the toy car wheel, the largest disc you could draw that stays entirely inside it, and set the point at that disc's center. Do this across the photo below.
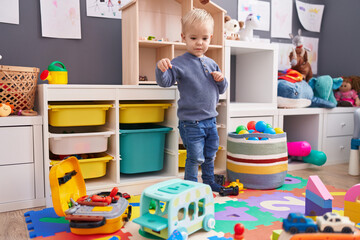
(209, 222)
(310, 230)
(293, 230)
(128, 213)
(328, 229)
(346, 230)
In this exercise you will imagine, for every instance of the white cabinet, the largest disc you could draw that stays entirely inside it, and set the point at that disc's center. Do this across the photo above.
(21, 163)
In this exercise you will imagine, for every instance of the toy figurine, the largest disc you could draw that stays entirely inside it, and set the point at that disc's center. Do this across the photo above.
(347, 96)
(6, 109)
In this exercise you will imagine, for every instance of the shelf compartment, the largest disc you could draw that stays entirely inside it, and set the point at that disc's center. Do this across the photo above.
(142, 112)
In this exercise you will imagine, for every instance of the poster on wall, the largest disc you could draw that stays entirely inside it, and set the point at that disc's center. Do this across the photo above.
(283, 57)
(312, 44)
(60, 19)
(310, 15)
(9, 11)
(281, 18)
(105, 8)
(260, 8)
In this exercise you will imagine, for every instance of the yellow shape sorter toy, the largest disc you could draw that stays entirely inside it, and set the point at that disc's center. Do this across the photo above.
(352, 204)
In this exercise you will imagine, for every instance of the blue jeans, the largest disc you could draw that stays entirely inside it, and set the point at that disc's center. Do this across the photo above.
(201, 141)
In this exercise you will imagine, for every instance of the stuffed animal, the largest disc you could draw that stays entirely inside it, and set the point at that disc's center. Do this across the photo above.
(299, 57)
(232, 28)
(247, 32)
(323, 87)
(297, 93)
(347, 94)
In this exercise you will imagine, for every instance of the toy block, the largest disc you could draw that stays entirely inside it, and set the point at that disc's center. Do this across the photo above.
(351, 204)
(312, 209)
(316, 186)
(318, 200)
(276, 234)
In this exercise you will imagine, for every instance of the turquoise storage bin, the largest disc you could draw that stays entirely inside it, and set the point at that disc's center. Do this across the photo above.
(142, 147)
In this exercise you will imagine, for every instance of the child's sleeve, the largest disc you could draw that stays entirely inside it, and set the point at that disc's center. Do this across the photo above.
(223, 84)
(167, 78)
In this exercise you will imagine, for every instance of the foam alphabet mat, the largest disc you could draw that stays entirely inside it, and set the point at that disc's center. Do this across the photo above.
(260, 211)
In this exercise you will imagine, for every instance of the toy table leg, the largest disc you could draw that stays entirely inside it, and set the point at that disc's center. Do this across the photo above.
(354, 157)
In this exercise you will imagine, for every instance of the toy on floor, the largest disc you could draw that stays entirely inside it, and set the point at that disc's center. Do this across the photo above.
(226, 191)
(333, 222)
(303, 149)
(352, 204)
(6, 109)
(318, 200)
(247, 31)
(105, 212)
(239, 230)
(299, 57)
(297, 223)
(55, 74)
(188, 207)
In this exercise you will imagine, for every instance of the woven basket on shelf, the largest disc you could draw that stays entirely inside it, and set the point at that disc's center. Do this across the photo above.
(18, 86)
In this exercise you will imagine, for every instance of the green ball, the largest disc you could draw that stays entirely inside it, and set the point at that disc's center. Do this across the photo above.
(239, 128)
(268, 125)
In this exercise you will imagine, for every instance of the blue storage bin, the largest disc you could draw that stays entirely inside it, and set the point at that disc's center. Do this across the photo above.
(142, 147)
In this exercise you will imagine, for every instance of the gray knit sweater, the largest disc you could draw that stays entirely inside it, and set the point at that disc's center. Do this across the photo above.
(199, 92)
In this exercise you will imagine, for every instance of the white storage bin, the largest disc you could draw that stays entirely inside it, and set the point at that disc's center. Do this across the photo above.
(67, 141)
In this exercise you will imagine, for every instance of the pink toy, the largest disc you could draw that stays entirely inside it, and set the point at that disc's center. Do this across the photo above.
(299, 149)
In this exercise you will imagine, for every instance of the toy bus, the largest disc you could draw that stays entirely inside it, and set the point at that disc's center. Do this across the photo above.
(176, 204)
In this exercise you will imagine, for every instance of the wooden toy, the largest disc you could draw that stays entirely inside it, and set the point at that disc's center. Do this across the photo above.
(188, 207)
(351, 204)
(318, 200)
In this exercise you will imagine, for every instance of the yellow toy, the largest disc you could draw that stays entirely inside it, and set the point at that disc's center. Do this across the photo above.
(352, 204)
(55, 74)
(6, 109)
(97, 214)
(236, 184)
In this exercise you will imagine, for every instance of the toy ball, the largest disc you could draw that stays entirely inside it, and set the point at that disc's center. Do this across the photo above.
(239, 128)
(253, 138)
(270, 131)
(251, 125)
(264, 139)
(252, 131)
(268, 125)
(260, 126)
(243, 132)
(278, 130)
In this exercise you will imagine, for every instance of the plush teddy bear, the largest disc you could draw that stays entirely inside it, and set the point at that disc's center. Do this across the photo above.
(232, 28)
(347, 94)
(299, 57)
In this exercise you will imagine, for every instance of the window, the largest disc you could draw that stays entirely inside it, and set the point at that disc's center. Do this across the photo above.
(201, 207)
(191, 212)
(181, 214)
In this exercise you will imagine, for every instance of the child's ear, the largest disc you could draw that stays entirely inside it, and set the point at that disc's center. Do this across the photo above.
(183, 37)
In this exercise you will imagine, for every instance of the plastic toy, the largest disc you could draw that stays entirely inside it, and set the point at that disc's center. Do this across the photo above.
(188, 207)
(239, 230)
(299, 57)
(355, 143)
(219, 179)
(333, 222)
(247, 32)
(102, 213)
(315, 157)
(6, 109)
(239, 128)
(237, 183)
(55, 74)
(297, 223)
(232, 28)
(300, 149)
(226, 191)
(126, 195)
(318, 200)
(352, 204)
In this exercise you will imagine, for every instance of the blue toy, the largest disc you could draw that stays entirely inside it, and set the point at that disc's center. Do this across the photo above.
(188, 207)
(355, 143)
(323, 87)
(299, 95)
(297, 222)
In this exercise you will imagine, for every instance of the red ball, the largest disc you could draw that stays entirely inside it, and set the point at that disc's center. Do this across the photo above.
(251, 125)
(239, 229)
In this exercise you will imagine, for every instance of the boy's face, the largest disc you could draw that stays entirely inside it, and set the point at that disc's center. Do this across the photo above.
(197, 39)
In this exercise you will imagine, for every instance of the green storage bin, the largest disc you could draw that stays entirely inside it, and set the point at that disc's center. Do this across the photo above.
(142, 147)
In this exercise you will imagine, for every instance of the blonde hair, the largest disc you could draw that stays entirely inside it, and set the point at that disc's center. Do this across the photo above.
(197, 16)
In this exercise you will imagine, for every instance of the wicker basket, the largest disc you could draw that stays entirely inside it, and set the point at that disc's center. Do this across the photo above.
(18, 86)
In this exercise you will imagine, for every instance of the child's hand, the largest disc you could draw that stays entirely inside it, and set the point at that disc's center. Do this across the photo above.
(218, 76)
(164, 64)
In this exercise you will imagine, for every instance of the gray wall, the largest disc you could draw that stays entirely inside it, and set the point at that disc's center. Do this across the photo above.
(96, 58)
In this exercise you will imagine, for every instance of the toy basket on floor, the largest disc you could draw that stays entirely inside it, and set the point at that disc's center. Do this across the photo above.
(18, 86)
(260, 164)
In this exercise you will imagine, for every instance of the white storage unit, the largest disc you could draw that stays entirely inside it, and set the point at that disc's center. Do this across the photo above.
(21, 163)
